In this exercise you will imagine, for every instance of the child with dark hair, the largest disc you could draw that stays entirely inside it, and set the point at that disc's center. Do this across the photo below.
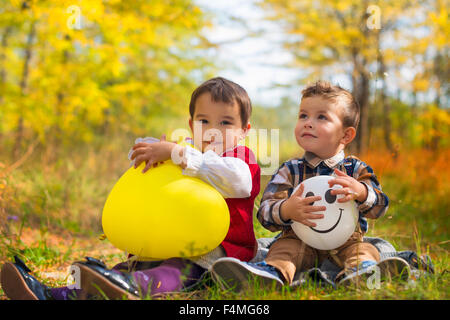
(219, 118)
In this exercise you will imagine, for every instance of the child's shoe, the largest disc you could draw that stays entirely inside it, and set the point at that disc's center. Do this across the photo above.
(392, 268)
(233, 273)
(422, 263)
(314, 275)
(353, 276)
(19, 284)
(97, 280)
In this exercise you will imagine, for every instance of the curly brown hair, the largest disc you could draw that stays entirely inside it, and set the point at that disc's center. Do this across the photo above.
(335, 93)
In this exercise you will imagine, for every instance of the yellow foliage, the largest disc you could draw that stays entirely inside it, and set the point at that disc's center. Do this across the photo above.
(93, 61)
(420, 84)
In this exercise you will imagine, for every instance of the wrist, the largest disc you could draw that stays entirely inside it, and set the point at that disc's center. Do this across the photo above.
(362, 195)
(284, 211)
(168, 146)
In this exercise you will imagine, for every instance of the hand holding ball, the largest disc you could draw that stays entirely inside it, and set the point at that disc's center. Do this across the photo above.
(339, 220)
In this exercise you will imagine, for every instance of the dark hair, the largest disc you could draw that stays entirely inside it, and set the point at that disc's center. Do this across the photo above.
(223, 90)
(335, 93)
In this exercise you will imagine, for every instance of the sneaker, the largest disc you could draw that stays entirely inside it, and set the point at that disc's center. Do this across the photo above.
(313, 276)
(231, 273)
(423, 263)
(365, 270)
(392, 268)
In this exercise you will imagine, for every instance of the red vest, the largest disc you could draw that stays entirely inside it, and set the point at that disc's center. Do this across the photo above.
(240, 241)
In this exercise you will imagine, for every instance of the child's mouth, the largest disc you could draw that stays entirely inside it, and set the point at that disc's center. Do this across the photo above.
(308, 135)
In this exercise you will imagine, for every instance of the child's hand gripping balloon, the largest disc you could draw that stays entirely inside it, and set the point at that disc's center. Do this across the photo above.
(152, 153)
(352, 189)
(300, 209)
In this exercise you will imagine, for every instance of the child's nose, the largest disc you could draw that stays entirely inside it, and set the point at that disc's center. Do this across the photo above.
(308, 124)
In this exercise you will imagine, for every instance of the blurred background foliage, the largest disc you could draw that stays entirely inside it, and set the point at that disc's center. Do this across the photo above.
(74, 70)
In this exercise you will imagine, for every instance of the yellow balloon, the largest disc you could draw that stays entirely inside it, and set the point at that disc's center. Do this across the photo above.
(162, 214)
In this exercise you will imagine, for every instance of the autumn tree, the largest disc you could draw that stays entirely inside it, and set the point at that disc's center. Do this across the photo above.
(329, 37)
(429, 50)
(70, 70)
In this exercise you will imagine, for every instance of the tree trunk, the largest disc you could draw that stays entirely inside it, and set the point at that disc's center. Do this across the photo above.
(360, 83)
(363, 100)
(386, 105)
(4, 45)
(361, 89)
(440, 70)
(23, 87)
(59, 108)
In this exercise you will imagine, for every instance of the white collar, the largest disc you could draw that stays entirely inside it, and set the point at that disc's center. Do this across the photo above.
(332, 162)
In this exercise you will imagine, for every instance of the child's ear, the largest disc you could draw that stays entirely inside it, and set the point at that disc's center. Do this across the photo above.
(191, 122)
(349, 135)
(245, 130)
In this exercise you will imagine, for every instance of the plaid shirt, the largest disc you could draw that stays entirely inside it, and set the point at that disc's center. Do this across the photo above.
(294, 171)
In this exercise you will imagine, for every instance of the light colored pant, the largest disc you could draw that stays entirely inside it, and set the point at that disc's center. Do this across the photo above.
(289, 254)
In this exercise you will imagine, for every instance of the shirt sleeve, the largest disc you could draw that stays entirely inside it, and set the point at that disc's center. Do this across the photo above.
(377, 201)
(276, 192)
(228, 175)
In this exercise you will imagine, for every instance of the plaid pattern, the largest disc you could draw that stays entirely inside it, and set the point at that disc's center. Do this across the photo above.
(294, 171)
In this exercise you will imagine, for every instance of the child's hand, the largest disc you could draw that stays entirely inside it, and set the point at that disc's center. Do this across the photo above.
(299, 209)
(152, 153)
(352, 189)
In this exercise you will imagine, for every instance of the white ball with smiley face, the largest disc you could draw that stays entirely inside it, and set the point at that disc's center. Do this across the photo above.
(339, 220)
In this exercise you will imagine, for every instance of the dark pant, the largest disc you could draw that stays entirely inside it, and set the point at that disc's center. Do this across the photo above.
(171, 275)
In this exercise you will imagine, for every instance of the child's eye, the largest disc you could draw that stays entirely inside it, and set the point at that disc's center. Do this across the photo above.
(203, 121)
(302, 116)
(225, 123)
(322, 117)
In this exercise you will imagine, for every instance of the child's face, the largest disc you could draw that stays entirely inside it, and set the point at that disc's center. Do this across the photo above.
(216, 126)
(319, 127)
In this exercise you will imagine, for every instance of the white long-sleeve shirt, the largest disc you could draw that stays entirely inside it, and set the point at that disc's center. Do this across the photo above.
(228, 175)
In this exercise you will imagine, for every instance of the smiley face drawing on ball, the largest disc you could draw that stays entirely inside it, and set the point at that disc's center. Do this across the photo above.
(339, 218)
(330, 199)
